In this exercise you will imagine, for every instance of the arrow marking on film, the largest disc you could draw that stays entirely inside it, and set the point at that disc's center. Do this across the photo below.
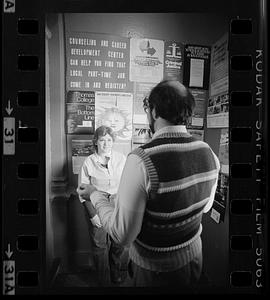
(9, 252)
(9, 109)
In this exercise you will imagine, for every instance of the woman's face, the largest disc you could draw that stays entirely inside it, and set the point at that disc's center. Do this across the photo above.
(104, 144)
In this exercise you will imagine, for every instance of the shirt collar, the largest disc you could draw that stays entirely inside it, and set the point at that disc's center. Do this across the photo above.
(98, 158)
(170, 129)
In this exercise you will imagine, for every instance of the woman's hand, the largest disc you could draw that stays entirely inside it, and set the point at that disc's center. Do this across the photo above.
(96, 221)
(85, 190)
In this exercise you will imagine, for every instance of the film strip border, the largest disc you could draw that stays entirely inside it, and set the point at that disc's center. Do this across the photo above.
(24, 154)
(247, 156)
(23, 168)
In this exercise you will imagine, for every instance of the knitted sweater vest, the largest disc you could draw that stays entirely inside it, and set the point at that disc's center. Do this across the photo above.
(182, 172)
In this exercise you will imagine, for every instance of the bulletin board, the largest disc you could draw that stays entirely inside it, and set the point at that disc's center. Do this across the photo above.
(107, 78)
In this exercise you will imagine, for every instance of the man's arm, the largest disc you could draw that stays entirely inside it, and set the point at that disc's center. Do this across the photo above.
(123, 222)
(83, 177)
(214, 187)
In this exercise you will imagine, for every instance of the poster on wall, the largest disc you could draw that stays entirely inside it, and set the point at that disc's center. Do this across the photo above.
(80, 150)
(197, 133)
(197, 66)
(173, 60)
(218, 111)
(200, 97)
(219, 75)
(141, 90)
(123, 147)
(80, 112)
(224, 151)
(146, 60)
(97, 62)
(115, 110)
(221, 198)
(141, 134)
(222, 189)
(221, 195)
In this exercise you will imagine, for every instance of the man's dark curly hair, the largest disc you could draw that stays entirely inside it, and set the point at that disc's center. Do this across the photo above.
(172, 101)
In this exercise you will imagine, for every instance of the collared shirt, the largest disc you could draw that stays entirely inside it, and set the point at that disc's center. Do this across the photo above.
(105, 179)
(124, 220)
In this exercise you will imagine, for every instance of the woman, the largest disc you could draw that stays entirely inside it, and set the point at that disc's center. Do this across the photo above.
(103, 170)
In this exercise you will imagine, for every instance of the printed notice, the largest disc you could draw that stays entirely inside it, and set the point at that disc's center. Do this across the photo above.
(219, 79)
(173, 60)
(80, 112)
(197, 133)
(218, 111)
(115, 110)
(200, 97)
(97, 62)
(215, 215)
(80, 150)
(224, 151)
(141, 90)
(146, 60)
(197, 66)
(222, 189)
(141, 133)
(196, 72)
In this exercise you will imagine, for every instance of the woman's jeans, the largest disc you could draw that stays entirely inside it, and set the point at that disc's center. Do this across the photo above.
(110, 258)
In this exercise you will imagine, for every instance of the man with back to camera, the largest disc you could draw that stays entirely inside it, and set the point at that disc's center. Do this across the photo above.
(166, 186)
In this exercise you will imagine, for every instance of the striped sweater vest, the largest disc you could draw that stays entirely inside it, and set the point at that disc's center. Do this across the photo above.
(182, 172)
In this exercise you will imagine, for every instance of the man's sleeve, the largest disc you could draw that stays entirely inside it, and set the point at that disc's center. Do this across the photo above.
(123, 222)
(83, 177)
(214, 187)
(91, 211)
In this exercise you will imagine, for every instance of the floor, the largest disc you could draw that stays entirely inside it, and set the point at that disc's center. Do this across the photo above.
(87, 279)
(82, 278)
